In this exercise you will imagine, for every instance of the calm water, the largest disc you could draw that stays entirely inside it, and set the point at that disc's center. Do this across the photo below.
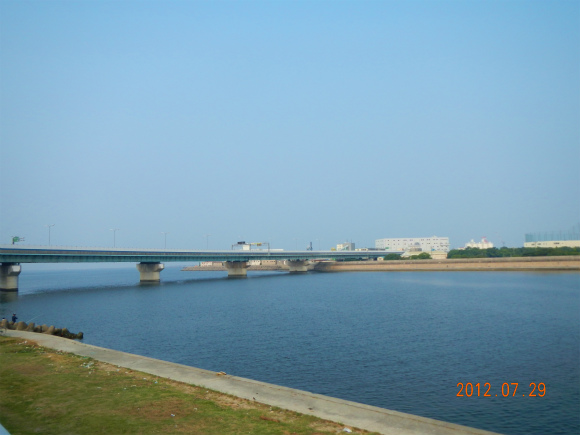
(401, 341)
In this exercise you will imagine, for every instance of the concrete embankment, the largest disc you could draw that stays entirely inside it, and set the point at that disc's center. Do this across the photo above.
(251, 268)
(348, 413)
(468, 264)
(41, 329)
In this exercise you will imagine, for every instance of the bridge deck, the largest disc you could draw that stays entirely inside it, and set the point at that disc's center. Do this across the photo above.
(46, 254)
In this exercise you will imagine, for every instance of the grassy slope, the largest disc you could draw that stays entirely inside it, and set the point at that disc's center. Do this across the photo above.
(50, 392)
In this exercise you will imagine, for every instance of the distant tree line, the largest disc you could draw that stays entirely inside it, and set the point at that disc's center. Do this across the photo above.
(391, 256)
(489, 253)
(511, 252)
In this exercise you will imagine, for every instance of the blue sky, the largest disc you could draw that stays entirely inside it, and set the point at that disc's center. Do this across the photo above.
(287, 122)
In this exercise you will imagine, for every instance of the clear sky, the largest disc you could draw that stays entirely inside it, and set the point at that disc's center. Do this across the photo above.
(287, 121)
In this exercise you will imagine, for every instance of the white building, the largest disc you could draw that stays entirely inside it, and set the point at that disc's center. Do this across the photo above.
(426, 244)
(484, 244)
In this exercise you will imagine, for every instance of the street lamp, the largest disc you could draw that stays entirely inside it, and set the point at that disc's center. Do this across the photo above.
(207, 241)
(165, 237)
(114, 230)
(49, 225)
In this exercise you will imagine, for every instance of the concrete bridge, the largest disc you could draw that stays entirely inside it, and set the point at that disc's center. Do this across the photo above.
(150, 262)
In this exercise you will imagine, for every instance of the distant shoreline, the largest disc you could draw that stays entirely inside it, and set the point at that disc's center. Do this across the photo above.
(562, 263)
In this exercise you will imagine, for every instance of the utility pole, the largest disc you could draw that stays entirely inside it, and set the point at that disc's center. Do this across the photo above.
(49, 226)
(114, 230)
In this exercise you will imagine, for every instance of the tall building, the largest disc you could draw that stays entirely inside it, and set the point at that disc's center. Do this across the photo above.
(426, 244)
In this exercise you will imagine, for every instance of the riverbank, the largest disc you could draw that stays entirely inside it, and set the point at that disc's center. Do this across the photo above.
(257, 404)
(563, 263)
(45, 390)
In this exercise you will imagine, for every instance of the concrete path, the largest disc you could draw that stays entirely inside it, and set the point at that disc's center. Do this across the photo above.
(348, 413)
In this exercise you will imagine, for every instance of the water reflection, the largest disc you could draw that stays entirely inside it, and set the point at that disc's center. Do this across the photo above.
(8, 296)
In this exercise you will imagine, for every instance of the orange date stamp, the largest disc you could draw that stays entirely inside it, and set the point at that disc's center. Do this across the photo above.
(507, 389)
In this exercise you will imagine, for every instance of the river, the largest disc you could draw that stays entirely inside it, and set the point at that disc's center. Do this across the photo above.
(398, 340)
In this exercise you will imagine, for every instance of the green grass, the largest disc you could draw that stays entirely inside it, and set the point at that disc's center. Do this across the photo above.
(51, 392)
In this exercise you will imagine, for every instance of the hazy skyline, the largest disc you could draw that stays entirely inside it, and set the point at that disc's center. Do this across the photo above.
(287, 122)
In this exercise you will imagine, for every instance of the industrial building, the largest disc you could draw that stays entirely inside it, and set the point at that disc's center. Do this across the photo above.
(554, 239)
(415, 244)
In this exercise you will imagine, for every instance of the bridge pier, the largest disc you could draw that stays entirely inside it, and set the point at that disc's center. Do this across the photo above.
(236, 269)
(9, 276)
(298, 266)
(149, 272)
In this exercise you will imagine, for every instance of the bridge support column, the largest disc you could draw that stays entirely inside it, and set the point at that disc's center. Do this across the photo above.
(9, 277)
(236, 269)
(149, 272)
(298, 266)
